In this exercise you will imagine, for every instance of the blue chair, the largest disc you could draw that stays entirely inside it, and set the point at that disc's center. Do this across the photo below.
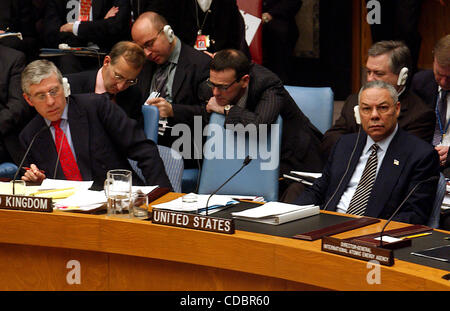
(433, 221)
(317, 103)
(151, 119)
(173, 163)
(7, 170)
(224, 152)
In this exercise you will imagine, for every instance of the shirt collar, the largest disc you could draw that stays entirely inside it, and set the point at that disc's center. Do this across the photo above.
(175, 55)
(99, 82)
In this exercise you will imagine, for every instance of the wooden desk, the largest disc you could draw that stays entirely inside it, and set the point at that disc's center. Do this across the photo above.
(128, 254)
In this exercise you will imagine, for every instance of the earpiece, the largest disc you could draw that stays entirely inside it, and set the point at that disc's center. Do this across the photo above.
(66, 87)
(170, 35)
(357, 115)
(402, 76)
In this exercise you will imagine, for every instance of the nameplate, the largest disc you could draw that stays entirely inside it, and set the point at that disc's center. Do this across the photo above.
(193, 221)
(25, 203)
(357, 250)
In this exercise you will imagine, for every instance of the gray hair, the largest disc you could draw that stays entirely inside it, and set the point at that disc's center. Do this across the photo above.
(378, 84)
(36, 71)
(399, 54)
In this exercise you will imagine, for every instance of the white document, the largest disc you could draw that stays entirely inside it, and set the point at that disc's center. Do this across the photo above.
(251, 26)
(49, 183)
(276, 213)
(83, 200)
(215, 201)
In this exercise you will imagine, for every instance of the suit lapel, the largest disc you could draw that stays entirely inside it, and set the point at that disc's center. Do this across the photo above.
(79, 130)
(393, 163)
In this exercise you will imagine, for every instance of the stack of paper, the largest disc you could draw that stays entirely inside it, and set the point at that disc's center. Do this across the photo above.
(216, 203)
(276, 213)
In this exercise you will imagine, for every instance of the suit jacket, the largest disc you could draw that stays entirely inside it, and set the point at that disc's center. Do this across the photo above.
(103, 138)
(104, 32)
(189, 90)
(425, 86)
(14, 111)
(407, 161)
(415, 117)
(129, 100)
(224, 23)
(267, 99)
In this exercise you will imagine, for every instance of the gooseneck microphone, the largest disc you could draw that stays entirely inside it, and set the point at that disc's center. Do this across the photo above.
(247, 160)
(26, 154)
(403, 202)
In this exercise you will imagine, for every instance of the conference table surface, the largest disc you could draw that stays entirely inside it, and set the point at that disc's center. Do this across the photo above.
(73, 251)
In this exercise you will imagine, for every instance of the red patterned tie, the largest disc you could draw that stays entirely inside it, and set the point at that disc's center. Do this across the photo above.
(85, 8)
(66, 158)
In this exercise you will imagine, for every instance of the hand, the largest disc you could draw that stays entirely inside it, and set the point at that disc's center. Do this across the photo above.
(2, 31)
(443, 152)
(266, 17)
(34, 174)
(112, 12)
(164, 107)
(66, 28)
(213, 106)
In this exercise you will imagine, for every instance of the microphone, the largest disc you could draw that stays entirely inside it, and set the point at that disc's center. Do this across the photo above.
(403, 202)
(26, 154)
(247, 160)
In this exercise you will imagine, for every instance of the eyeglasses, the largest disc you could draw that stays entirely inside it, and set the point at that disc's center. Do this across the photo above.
(119, 79)
(221, 87)
(382, 109)
(41, 97)
(149, 44)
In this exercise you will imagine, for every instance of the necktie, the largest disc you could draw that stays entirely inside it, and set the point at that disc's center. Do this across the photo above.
(85, 8)
(359, 200)
(66, 158)
(442, 107)
(161, 77)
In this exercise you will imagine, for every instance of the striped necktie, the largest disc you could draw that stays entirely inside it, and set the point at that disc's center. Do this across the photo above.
(66, 158)
(361, 196)
(442, 115)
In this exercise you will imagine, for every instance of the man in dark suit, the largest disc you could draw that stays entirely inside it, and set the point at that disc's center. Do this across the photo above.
(117, 78)
(433, 86)
(280, 35)
(103, 22)
(370, 173)
(388, 61)
(173, 78)
(250, 94)
(220, 21)
(14, 111)
(93, 135)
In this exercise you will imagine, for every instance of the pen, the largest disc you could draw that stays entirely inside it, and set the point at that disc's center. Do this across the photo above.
(416, 235)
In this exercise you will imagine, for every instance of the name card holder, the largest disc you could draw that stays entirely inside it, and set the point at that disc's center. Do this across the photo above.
(192, 221)
(358, 250)
(26, 203)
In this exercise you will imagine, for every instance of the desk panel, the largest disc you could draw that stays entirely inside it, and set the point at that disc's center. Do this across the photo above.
(130, 254)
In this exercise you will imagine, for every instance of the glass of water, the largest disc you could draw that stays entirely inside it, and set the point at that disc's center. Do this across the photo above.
(118, 192)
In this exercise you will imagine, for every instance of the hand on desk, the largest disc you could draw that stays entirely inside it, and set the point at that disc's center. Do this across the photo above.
(34, 174)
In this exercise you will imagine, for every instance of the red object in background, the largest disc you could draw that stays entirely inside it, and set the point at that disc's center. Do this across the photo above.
(254, 7)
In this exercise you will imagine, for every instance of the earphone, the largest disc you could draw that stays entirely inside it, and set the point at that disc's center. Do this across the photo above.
(402, 76)
(170, 35)
(357, 115)
(66, 87)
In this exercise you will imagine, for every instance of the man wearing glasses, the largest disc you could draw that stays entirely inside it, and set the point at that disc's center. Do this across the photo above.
(251, 94)
(117, 78)
(173, 78)
(83, 136)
